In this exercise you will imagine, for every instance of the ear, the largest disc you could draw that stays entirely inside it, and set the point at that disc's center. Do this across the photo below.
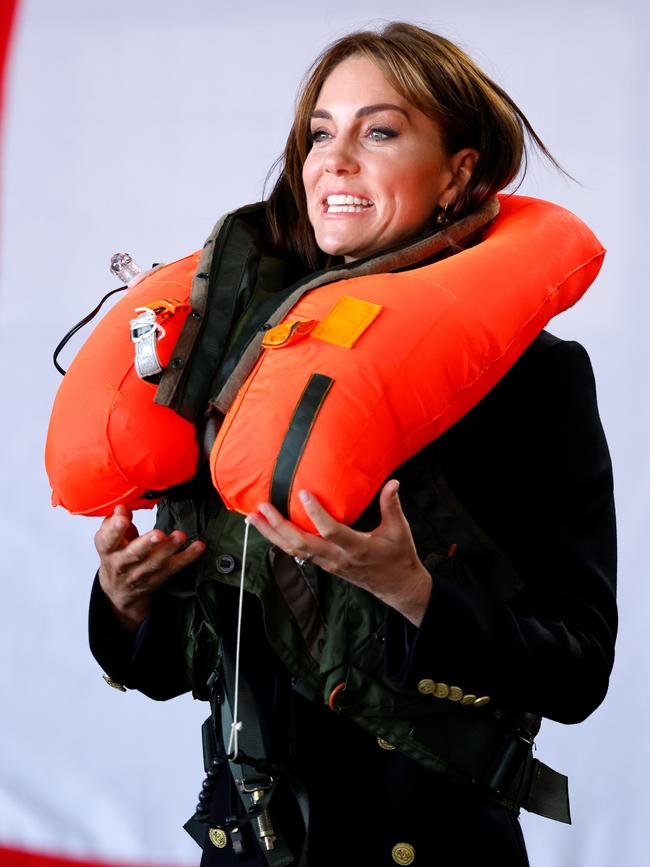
(461, 166)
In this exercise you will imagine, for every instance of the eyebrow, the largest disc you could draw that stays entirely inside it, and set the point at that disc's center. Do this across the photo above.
(363, 112)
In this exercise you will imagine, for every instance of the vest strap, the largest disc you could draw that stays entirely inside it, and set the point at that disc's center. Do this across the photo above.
(302, 599)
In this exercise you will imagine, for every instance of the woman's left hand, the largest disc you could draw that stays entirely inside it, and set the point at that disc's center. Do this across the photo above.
(384, 561)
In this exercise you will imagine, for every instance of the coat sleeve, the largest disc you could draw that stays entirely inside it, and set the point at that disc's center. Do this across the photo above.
(152, 659)
(532, 467)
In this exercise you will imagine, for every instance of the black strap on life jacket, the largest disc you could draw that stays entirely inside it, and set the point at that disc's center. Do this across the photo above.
(295, 439)
(517, 780)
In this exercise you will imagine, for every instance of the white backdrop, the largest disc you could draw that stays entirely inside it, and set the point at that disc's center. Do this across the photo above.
(134, 126)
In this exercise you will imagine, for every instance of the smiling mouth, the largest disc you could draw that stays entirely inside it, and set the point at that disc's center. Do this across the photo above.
(346, 204)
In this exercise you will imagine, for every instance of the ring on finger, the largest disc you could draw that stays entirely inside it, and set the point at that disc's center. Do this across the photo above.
(301, 561)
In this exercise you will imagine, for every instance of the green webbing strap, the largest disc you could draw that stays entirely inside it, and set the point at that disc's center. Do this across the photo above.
(297, 591)
(295, 439)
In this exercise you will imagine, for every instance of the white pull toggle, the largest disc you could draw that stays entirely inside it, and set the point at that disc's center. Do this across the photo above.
(146, 331)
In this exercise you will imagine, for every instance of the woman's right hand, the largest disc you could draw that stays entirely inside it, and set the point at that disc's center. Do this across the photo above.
(133, 566)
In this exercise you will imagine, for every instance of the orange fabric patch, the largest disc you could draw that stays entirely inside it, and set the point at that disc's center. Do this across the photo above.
(346, 321)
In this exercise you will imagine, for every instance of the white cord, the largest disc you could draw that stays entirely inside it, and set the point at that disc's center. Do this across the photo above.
(146, 319)
(235, 728)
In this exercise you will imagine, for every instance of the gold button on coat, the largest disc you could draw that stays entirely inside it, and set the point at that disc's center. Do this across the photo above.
(385, 745)
(468, 699)
(218, 838)
(483, 700)
(403, 853)
(426, 686)
(441, 690)
(455, 693)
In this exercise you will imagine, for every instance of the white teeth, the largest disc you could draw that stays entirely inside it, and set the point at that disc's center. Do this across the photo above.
(346, 204)
(348, 200)
(346, 209)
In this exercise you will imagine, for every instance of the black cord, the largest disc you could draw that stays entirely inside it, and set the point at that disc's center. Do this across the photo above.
(79, 325)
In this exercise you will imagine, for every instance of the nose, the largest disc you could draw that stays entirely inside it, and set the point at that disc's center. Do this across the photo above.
(341, 158)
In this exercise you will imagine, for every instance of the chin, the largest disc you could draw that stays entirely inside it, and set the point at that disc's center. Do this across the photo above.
(339, 247)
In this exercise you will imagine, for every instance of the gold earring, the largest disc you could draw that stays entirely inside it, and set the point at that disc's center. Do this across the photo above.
(442, 217)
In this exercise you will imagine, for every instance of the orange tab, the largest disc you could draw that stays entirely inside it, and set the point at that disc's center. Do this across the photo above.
(287, 332)
(346, 321)
(164, 307)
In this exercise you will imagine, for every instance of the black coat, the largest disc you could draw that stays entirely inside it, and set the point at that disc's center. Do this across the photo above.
(531, 465)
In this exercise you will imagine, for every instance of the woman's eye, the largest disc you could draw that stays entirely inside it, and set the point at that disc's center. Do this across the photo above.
(317, 135)
(379, 133)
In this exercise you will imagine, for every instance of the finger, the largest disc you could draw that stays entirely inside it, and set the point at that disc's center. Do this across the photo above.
(392, 516)
(169, 551)
(286, 535)
(154, 570)
(113, 533)
(150, 550)
(123, 512)
(277, 530)
(328, 527)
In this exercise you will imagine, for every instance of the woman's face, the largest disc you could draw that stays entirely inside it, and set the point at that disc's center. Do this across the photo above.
(377, 167)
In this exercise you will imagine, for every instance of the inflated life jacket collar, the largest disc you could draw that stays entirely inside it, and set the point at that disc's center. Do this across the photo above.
(453, 324)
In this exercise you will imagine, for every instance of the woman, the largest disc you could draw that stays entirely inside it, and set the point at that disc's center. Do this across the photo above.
(395, 135)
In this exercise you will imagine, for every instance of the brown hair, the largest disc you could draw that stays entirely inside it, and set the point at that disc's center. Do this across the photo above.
(438, 78)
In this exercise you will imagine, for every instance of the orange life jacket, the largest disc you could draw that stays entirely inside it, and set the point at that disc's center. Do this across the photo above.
(360, 375)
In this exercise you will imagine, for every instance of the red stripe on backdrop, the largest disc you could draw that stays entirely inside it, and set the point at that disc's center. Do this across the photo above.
(7, 17)
(22, 858)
